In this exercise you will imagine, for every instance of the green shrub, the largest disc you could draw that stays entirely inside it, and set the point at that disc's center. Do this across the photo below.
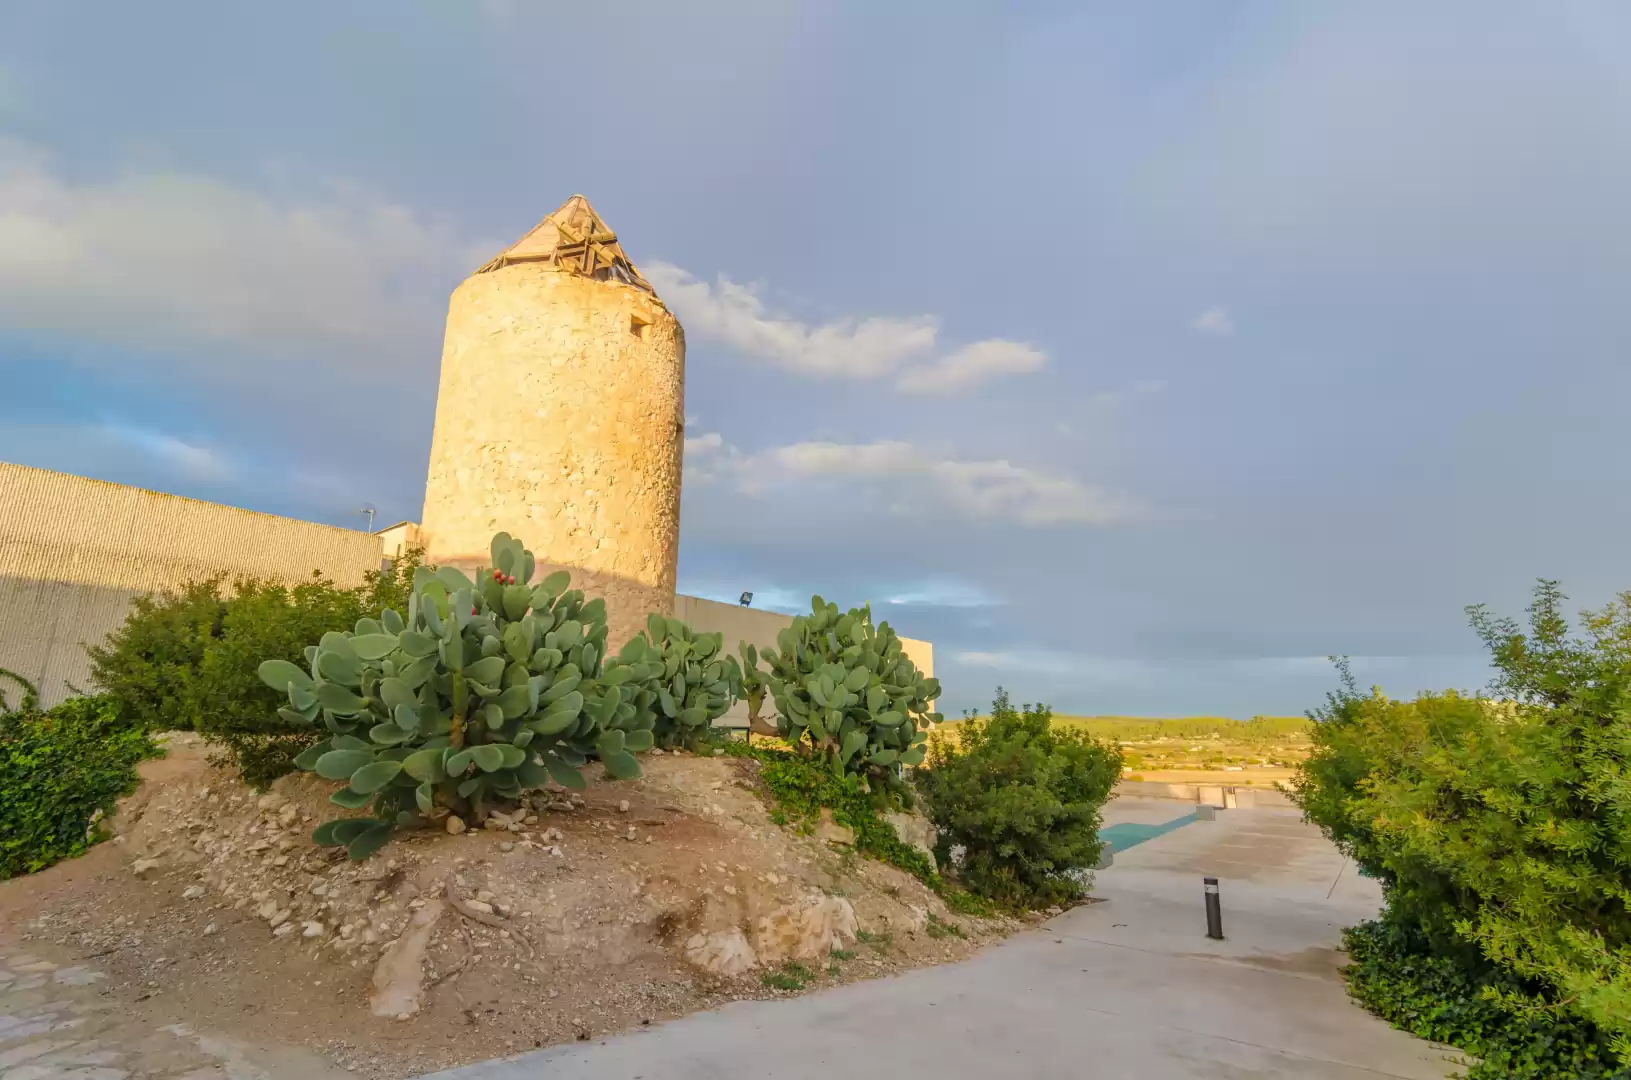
(845, 692)
(1453, 995)
(150, 664)
(1503, 827)
(186, 659)
(232, 707)
(800, 788)
(60, 771)
(1023, 800)
(482, 691)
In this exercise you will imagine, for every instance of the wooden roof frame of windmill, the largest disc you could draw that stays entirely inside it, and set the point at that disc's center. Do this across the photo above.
(584, 246)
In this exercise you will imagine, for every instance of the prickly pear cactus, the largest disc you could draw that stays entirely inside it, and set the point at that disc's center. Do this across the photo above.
(685, 678)
(483, 690)
(845, 691)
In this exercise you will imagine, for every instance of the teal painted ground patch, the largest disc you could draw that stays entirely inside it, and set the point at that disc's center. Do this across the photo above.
(1126, 834)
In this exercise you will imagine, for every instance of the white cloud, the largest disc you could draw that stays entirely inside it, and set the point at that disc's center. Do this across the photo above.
(910, 480)
(972, 365)
(165, 258)
(701, 444)
(732, 313)
(1216, 321)
(853, 347)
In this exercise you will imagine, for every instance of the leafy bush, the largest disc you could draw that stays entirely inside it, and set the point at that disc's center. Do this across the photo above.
(845, 692)
(801, 787)
(1504, 827)
(186, 659)
(690, 683)
(1455, 996)
(483, 691)
(1023, 800)
(60, 771)
(150, 664)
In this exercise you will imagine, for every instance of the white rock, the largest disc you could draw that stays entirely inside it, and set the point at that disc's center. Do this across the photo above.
(193, 892)
(283, 930)
(805, 930)
(506, 847)
(914, 829)
(723, 952)
(312, 929)
(623, 806)
(144, 867)
(479, 905)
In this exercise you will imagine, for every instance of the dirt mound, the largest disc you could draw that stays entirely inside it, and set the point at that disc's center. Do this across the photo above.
(577, 916)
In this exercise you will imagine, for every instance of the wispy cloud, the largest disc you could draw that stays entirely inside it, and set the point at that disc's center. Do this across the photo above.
(971, 366)
(194, 459)
(942, 593)
(853, 347)
(170, 258)
(907, 479)
(1216, 321)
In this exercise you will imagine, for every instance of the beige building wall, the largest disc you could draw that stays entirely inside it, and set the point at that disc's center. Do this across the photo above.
(759, 628)
(74, 552)
(560, 419)
(397, 540)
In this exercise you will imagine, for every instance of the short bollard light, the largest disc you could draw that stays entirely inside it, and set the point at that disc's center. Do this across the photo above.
(1214, 910)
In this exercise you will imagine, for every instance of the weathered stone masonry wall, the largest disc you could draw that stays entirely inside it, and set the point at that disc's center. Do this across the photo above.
(559, 419)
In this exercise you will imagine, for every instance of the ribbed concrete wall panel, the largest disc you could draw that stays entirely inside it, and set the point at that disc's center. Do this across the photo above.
(74, 552)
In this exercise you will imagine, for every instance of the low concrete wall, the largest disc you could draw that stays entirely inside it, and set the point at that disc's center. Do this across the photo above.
(759, 628)
(74, 552)
(1230, 797)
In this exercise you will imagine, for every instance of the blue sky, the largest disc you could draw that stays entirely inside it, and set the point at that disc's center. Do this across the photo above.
(1137, 355)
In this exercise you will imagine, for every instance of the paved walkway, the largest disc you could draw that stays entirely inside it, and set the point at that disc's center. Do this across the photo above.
(1128, 989)
(55, 1024)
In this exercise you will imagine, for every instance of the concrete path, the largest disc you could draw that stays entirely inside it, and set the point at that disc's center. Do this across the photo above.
(1127, 989)
(56, 1024)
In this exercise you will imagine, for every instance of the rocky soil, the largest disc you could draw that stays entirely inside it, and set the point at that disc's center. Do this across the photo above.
(576, 917)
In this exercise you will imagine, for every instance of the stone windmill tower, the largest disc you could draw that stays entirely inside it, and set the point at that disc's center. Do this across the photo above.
(560, 418)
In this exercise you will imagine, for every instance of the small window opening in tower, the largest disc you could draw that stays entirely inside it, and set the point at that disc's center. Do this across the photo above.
(637, 326)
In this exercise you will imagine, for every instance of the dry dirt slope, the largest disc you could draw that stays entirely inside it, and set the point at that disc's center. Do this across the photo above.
(627, 905)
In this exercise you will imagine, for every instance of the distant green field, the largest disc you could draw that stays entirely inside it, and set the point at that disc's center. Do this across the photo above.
(1200, 746)
(1137, 729)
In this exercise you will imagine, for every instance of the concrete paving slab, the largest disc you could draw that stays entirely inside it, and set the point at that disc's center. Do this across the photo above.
(1125, 989)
